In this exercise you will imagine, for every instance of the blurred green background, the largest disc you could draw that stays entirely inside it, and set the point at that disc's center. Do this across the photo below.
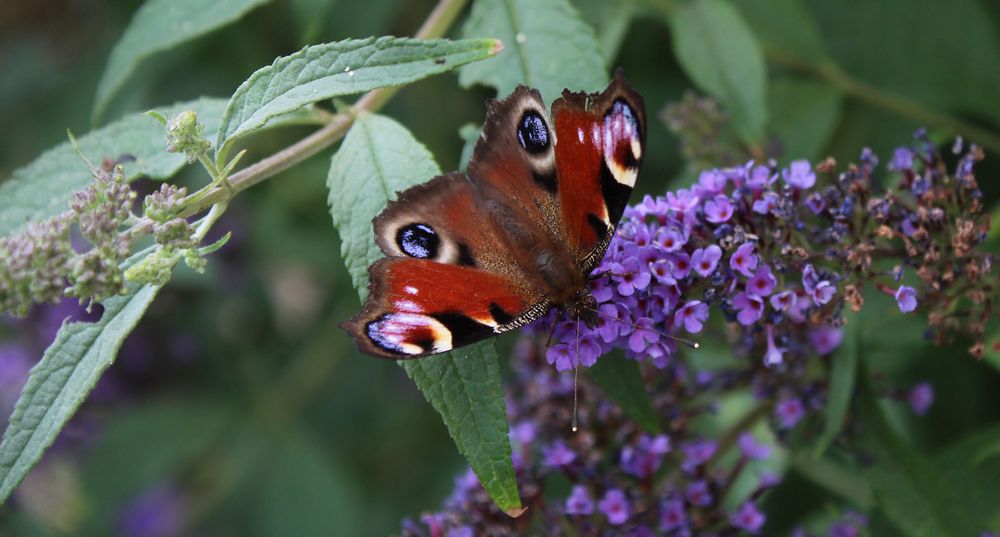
(239, 408)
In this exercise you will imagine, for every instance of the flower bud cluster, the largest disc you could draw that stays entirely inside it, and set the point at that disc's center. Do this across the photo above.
(172, 232)
(33, 265)
(699, 123)
(185, 134)
(101, 210)
(40, 265)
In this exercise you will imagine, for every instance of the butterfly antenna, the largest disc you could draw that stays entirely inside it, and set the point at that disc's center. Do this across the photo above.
(687, 342)
(552, 329)
(576, 377)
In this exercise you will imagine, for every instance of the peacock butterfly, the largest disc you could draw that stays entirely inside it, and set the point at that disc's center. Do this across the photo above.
(473, 255)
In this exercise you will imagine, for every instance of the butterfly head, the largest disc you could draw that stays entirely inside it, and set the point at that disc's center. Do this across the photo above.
(583, 308)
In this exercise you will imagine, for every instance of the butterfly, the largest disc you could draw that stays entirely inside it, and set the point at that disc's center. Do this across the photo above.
(473, 255)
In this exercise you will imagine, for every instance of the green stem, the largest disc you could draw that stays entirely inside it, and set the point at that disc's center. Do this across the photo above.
(836, 77)
(313, 367)
(730, 435)
(839, 480)
(206, 223)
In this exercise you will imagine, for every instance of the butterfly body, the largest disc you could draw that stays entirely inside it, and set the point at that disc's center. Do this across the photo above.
(477, 254)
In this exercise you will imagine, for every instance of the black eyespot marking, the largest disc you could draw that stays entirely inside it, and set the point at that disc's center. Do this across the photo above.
(598, 225)
(465, 255)
(532, 132)
(464, 330)
(418, 240)
(546, 181)
(500, 315)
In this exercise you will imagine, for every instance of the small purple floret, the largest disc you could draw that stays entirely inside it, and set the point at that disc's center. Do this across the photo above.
(906, 298)
(691, 316)
(704, 260)
(579, 502)
(748, 518)
(921, 397)
(799, 174)
(614, 506)
(743, 260)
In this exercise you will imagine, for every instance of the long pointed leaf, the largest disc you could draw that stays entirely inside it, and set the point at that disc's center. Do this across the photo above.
(161, 25)
(378, 158)
(61, 381)
(842, 378)
(621, 380)
(719, 51)
(322, 72)
(546, 46)
(911, 491)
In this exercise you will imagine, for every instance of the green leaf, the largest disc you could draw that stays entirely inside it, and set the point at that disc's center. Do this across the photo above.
(835, 477)
(61, 381)
(546, 46)
(844, 367)
(312, 17)
(974, 462)
(322, 72)
(469, 133)
(378, 158)
(783, 26)
(621, 380)
(915, 68)
(718, 50)
(44, 187)
(161, 25)
(464, 386)
(155, 440)
(912, 492)
(610, 20)
(304, 493)
(804, 116)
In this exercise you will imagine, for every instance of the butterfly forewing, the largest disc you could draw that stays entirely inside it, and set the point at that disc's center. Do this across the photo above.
(601, 144)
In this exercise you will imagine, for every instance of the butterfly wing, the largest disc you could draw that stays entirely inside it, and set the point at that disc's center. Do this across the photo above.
(449, 279)
(571, 175)
(514, 161)
(601, 143)
(418, 307)
(477, 255)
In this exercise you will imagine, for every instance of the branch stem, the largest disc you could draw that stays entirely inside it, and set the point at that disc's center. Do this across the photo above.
(899, 105)
(436, 25)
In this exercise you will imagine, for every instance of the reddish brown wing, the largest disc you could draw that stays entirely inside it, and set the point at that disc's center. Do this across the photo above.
(464, 251)
(514, 161)
(449, 280)
(601, 143)
(418, 307)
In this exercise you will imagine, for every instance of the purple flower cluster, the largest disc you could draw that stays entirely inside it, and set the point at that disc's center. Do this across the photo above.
(766, 258)
(622, 480)
(676, 255)
(781, 256)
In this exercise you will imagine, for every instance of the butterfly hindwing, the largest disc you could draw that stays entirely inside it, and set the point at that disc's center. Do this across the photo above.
(418, 307)
(449, 279)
